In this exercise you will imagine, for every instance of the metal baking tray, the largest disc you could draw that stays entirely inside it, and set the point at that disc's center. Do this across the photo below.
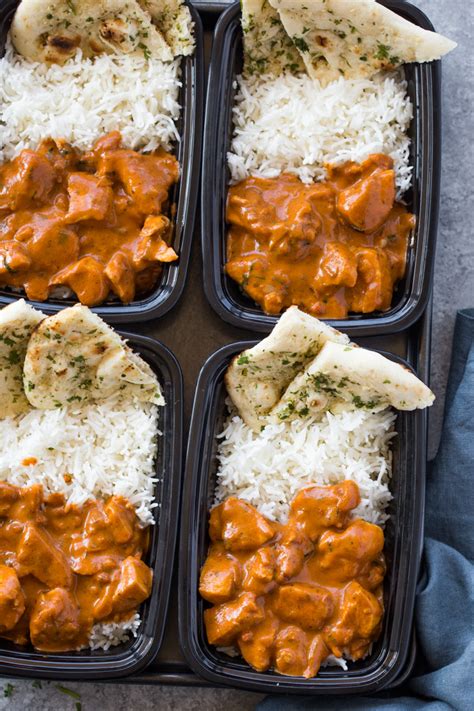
(193, 331)
(412, 292)
(183, 195)
(134, 655)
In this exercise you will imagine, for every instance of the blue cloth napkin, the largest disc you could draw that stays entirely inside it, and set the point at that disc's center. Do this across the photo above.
(444, 613)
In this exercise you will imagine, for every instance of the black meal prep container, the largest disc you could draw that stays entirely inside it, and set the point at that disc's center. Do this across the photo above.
(135, 654)
(403, 546)
(412, 293)
(183, 195)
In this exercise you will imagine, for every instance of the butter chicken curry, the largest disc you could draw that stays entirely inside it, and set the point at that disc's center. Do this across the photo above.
(290, 595)
(91, 222)
(64, 568)
(330, 247)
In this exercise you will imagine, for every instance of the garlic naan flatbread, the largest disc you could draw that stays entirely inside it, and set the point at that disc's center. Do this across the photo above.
(17, 322)
(355, 38)
(45, 31)
(73, 357)
(256, 378)
(345, 375)
(173, 19)
(267, 47)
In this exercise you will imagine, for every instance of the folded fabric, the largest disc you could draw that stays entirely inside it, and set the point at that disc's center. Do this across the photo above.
(444, 613)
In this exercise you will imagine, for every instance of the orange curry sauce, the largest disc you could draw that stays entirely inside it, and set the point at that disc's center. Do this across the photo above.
(331, 247)
(92, 222)
(64, 568)
(290, 595)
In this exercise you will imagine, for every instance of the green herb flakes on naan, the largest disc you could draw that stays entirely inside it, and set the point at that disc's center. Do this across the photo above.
(267, 47)
(73, 357)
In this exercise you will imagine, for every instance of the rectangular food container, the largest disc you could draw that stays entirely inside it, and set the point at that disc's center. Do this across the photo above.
(403, 545)
(411, 295)
(183, 195)
(135, 654)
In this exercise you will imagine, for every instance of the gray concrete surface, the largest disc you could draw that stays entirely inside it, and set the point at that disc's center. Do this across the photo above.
(453, 289)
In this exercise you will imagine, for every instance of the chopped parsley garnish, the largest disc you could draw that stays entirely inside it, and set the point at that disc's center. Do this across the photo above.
(71, 6)
(146, 51)
(300, 44)
(68, 692)
(383, 51)
(14, 357)
(368, 405)
(8, 690)
(323, 382)
(242, 360)
(7, 266)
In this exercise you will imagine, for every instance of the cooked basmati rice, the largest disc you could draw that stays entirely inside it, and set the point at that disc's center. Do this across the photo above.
(289, 123)
(105, 635)
(86, 98)
(107, 448)
(269, 468)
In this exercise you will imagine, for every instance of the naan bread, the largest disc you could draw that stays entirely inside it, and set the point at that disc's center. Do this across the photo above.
(355, 38)
(343, 375)
(267, 47)
(74, 357)
(256, 378)
(52, 31)
(17, 322)
(173, 19)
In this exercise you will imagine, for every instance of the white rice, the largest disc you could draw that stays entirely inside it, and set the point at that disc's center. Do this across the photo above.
(270, 467)
(109, 634)
(85, 98)
(106, 448)
(290, 123)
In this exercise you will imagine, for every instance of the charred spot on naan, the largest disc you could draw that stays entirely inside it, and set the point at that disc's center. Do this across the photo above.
(59, 47)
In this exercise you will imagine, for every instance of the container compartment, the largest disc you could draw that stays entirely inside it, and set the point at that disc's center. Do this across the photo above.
(411, 294)
(135, 654)
(183, 195)
(403, 535)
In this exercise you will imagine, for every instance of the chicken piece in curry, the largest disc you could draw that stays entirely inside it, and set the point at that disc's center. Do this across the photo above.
(288, 596)
(93, 222)
(65, 568)
(331, 248)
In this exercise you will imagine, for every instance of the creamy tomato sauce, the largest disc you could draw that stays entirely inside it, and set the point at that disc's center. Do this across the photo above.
(290, 595)
(331, 248)
(92, 222)
(63, 568)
